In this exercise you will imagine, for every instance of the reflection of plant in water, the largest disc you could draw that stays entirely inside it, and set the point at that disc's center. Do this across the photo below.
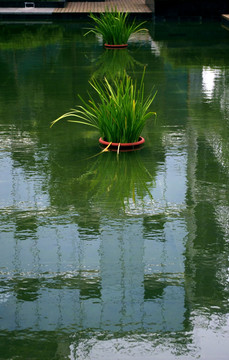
(20, 37)
(114, 63)
(26, 289)
(117, 181)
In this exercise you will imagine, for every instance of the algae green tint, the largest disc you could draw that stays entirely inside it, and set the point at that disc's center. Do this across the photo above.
(114, 257)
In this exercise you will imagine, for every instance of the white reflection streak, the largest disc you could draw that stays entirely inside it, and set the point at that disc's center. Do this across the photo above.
(209, 76)
(155, 49)
(145, 37)
(138, 347)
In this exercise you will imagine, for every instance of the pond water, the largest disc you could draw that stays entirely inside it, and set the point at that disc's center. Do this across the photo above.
(114, 257)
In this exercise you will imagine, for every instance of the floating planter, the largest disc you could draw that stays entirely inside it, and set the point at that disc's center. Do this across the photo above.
(121, 46)
(115, 28)
(119, 116)
(119, 147)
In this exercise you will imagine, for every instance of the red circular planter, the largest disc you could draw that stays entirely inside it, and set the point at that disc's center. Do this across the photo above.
(111, 46)
(123, 146)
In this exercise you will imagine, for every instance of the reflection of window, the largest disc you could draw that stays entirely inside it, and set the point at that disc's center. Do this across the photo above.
(153, 288)
(90, 288)
(209, 77)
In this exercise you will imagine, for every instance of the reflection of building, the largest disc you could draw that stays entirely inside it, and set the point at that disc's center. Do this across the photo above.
(115, 280)
(136, 292)
(208, 171)
(126, 274)
(88, 271)
(74, 268)
(206, 130)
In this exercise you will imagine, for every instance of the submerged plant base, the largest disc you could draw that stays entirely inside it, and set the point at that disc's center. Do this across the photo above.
(118, 46)
(122, 146)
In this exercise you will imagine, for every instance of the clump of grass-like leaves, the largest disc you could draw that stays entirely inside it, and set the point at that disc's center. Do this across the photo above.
(114, 26)
(113, 63)
(121, 112)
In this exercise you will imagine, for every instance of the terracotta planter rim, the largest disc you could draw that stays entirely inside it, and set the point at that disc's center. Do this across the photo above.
(115, 46)
(136, 143)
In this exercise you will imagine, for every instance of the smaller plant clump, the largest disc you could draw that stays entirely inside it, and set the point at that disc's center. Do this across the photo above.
(114, 26)
(121, 113)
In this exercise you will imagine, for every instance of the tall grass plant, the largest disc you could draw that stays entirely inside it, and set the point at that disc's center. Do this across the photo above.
(121, 112)
(114, 26)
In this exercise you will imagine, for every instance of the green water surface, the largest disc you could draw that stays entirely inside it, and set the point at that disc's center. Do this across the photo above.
(106, 257)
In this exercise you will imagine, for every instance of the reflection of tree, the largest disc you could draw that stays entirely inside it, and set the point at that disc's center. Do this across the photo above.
(189, 44)
(26, 289)
(153, 287)
(29, 289)
(42, 346)
(37, 76)
(154, 224)
(17, 37)
(7, 78)
(207, 195)
(207, 243)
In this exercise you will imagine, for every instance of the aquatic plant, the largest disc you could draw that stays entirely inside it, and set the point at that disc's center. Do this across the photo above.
(114, 26)
(122, 110)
